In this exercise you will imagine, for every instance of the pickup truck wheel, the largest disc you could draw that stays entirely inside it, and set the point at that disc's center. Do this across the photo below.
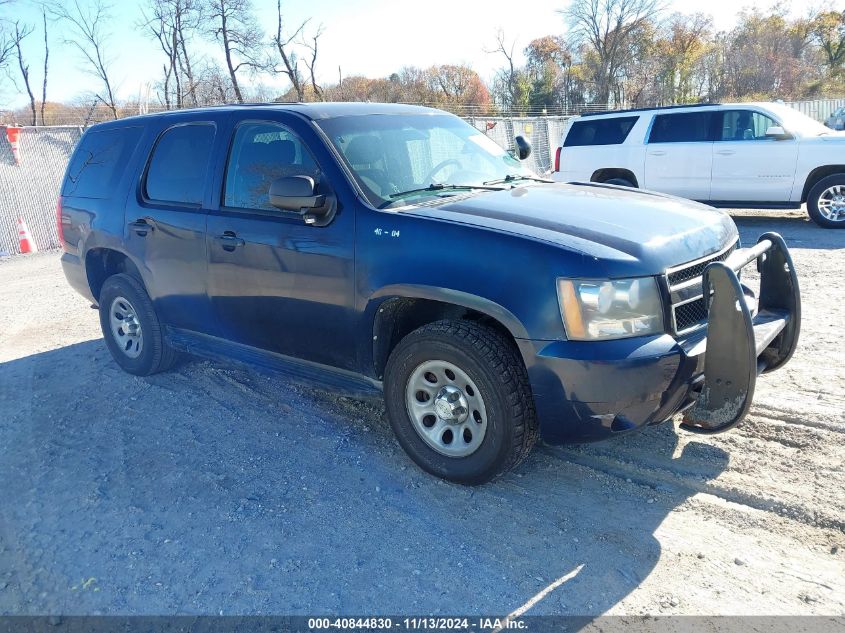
(458, 399)
(826, 202)
(131, 327)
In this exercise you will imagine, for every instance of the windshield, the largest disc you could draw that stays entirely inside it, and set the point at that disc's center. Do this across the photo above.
(403, 159)
(797, 122)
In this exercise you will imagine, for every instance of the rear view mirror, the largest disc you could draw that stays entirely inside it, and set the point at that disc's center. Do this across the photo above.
(777, 132)
(523, 148)
(294, 193)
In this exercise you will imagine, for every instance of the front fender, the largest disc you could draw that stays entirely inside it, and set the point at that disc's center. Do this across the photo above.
(450, 296)
(385, 317)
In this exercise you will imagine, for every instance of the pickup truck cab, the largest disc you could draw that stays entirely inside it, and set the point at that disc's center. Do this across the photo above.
(395, 250)
(749, 155)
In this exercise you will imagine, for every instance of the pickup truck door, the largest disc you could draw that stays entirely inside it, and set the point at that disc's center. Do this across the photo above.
(275, 282)
(748, 165)
(679, 155)
(165, 216)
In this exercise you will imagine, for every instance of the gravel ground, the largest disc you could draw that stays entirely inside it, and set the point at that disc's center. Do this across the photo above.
(216, 488)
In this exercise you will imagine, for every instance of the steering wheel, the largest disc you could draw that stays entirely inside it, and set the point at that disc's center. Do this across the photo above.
(439, 166)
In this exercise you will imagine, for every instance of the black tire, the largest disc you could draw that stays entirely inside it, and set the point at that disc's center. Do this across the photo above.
(154, 353)
(622, 182)
(813, 202)
(494, 364)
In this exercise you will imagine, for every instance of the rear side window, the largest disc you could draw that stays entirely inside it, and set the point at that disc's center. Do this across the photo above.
(607, 131)
(95, 168)
(681, 127)
(179, 164)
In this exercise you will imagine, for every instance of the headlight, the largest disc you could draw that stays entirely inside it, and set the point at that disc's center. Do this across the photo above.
(598, 310)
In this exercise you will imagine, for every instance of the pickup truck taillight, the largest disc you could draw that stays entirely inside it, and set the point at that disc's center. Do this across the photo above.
(557, 159)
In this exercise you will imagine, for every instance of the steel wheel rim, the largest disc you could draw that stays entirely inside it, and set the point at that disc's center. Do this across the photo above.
(831, 203)
(446, 408)
(126, 328)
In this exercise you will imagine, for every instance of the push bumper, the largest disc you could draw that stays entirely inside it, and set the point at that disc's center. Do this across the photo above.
(739, 346)
(587, 391)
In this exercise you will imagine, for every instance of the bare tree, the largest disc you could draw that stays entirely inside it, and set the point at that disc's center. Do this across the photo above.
(190, 19)
(237, 29)
(88, 34)
(318, 92)
(7, 42)
(510, 83)
(22, 31)
(212, 84)
(161, 26)
(283, 46)
(606, 27)
(169, 22)
(46, 64)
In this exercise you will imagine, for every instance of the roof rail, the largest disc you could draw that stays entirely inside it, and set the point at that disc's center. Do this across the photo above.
(671, 107)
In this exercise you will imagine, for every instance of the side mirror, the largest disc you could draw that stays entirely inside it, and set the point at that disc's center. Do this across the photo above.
(523, 148)
(295, 193)
(778, 133)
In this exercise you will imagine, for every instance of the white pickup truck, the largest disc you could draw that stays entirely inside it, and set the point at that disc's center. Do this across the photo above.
(749, 155)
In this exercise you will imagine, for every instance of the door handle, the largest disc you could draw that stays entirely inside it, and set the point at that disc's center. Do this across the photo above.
(726, 152)
(658, 153)
(229, 241)
(141, 227)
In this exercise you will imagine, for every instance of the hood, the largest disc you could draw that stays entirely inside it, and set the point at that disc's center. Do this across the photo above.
(644, 232)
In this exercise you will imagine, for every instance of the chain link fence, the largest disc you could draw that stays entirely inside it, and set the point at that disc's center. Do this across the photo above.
(544, 134)
(29, 184)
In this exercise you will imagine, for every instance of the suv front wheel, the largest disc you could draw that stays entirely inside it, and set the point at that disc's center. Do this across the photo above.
(131, 327)
(458, 399)
(826, 202)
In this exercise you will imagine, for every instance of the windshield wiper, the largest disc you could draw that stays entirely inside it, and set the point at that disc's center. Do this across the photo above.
(515, 177)
(439, 186)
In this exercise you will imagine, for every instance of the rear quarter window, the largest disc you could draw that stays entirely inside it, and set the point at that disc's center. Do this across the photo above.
(179, 164)
(97, 163)
(607, 131)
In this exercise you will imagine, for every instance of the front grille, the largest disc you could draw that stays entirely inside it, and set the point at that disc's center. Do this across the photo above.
(680, 275)
(688, 315)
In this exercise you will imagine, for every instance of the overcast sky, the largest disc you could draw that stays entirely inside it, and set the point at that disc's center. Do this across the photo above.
(368, 37)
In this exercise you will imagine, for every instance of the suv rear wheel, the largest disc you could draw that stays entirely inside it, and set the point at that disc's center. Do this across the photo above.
(458, 399)
(826, 202)
(131, 327)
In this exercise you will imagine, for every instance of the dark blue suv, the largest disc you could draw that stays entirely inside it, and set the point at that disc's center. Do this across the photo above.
(383, 248)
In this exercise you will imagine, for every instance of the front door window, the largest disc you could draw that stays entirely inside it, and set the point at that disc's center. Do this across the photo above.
(262, 152)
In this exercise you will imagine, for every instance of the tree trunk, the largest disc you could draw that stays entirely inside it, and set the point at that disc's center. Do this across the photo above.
(228, 51)
(46, 59)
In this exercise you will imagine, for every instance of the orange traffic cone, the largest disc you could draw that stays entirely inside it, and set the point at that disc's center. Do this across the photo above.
(13, 135)
(27, 243)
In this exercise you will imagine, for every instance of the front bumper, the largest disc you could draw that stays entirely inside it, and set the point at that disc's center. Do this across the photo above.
(586, 391)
